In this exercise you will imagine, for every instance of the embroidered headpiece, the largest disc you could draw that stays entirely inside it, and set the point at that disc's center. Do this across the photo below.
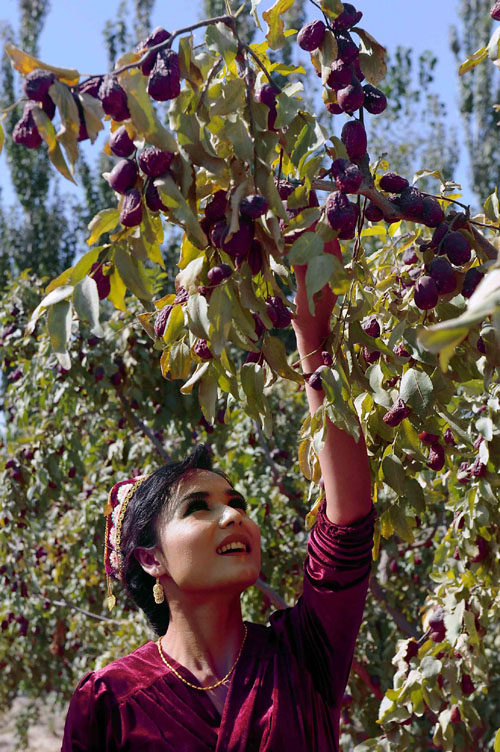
(115, 509)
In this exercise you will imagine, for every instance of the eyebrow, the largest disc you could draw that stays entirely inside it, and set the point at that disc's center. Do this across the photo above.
(230, 493)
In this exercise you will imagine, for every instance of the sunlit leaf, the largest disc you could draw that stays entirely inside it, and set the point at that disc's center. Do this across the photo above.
(25, 63)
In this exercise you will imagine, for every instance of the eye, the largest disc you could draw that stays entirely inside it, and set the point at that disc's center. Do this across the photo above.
(197, 504)
(240, 503)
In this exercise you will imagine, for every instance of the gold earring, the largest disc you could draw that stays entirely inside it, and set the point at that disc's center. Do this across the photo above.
(158, 592)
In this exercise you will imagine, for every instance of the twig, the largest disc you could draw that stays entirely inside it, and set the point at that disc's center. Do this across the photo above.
(401, 622)
(64, 604)
(228, 20)
(276, 600)
(363, 674)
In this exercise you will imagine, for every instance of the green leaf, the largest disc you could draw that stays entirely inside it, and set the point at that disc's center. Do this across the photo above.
(221, 39)
(132, 273)
(187, 388)
(142, 112)
(59, 327)
(493, 49)
(86, 302)
(70, 119)
(93, 115)
(275, 354)
(220, 314)
(273, 17)
(48, 133)
(179, 361)
(253, 378)
(54, 297)
(473, 60)
(305, 248)
(491, 206)
(371, 57)
(394, 473)
(173, 198)
(207, 394)
(319, 271)
(197, 312)
(255, 3)
(237, 133)
(453, 622)
(84, 265)
(430, 667)
(416, 390)
(104, 221)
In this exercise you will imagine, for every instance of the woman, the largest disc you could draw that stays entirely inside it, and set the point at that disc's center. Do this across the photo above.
(212, 681)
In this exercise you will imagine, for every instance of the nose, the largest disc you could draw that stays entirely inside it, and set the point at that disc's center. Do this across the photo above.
(229, 515)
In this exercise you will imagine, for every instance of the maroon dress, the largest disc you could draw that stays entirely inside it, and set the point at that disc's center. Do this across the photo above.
(285, 692)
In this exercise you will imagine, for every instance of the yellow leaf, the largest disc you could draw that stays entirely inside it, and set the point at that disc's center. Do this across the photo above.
(103, 222)
(25, 63)
(304, 464)
(276, 26)
(62, 279)
(117, 291)
(2, 138)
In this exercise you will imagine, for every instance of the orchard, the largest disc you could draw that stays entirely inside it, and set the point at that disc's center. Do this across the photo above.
(124, 359)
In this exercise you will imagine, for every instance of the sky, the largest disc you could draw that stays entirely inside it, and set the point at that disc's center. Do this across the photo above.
(72, 37)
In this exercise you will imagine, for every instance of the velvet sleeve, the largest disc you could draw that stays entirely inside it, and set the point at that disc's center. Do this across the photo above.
(322, 628)
(89, 721)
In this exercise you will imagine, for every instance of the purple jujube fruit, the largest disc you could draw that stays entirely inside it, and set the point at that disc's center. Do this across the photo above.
(154, 162)
(409, 256)
(351, 98)
(437, 236)
(25, 131)
(437, 457)
(411, 202)
(371, 356)
(471, 280)
(373, 213)
(393, 183)
(457, 248)
(278, 312)
(202, 350)
(285, 189)
(353, 137)
(254, 258)
(432, 213)
(91, 86)
(216, 207)
(120, 143)
(164, 81)
(334, 108)
(347, 176)
(123, 176)
(253, 206)
(348, 18)
(347, 48)
(314, 379)
(371, 327)
(48, 106)
(311, 35)
(219, 273)
(340, 212)
(426, 293)
(240, 242)
(495, 11)
(341, 75)
(153, 199)
(113, 98)
(443, 275)
(267, 94)
(131, 212)
(161, 320)
(157, 36)
(397, 413)
(375, 100)
(37, 84)
(102, 281)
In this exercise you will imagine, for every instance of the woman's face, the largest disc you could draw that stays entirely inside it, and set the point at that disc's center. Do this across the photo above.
(205, 511)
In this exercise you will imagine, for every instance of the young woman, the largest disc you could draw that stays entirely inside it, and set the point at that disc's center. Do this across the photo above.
(212, 681)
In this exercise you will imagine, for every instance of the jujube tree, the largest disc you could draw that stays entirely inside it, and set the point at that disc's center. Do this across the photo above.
(257, 186)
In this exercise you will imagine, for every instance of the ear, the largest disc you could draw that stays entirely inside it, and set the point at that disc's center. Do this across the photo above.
(151, 560)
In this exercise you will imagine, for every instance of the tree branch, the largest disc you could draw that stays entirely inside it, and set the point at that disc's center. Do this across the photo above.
(392, 213)
(64, 604)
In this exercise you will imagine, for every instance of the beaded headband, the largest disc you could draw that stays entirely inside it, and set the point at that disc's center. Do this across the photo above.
(115, 509)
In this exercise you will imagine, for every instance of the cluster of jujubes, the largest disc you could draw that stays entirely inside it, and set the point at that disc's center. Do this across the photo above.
(344, 93)
(445, 271)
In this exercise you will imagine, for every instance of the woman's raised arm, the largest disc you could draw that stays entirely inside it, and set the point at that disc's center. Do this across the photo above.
(344, 463)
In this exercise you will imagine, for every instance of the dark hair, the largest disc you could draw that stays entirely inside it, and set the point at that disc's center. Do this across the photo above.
(139, 529)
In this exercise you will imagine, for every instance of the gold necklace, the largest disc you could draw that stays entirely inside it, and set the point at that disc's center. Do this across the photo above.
(162, 656)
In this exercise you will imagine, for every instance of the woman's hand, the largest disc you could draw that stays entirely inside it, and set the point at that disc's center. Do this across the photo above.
(314, 328)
